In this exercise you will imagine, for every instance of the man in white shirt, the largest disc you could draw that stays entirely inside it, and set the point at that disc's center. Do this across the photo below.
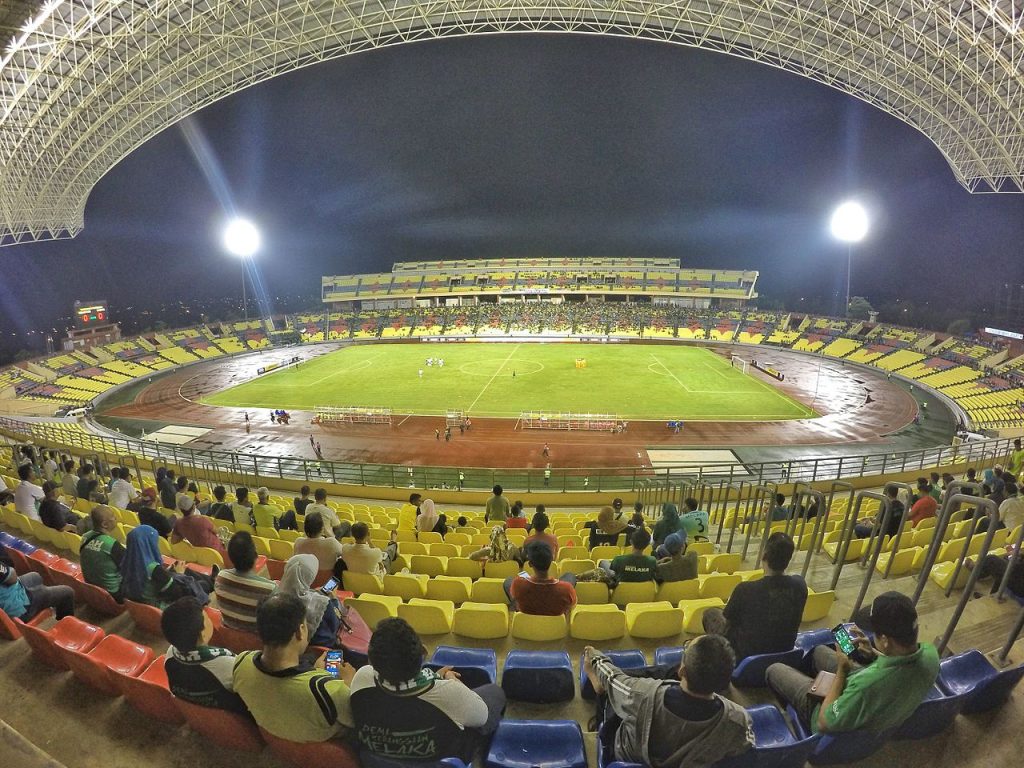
(50, 466)
(28, 495)
(319, 543)
(121, 491)
(1011, 511)
(329, 516)
(362, 558)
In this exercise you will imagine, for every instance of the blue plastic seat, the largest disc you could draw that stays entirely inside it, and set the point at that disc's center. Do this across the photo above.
(478, 666)
(6, 539)
(934, 715)
(973, 675)
(837, 748)
(541, 677)
(749, 673)
(537, 744)
(775, 746)
(23, 546)
(632, 658)
(369, 760)
(808, 641)
(669, 655)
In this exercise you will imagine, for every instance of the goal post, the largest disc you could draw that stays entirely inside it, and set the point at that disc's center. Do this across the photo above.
(739, 362)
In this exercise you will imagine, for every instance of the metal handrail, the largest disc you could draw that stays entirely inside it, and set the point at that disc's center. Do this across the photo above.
(950, 503)
(875, 543)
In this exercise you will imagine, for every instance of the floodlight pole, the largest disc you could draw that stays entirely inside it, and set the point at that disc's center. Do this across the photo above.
(245, 304)
(849, 269)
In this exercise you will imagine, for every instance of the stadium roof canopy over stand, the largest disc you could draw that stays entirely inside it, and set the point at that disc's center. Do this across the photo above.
(83, 84)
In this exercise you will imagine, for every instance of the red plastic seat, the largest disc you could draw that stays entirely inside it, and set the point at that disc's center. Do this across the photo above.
(226, 729)
(9, 628)
(149, 692)
(319, 754)
(146, 617)
(235, 639)
(40, 560)
(21, 561)
(98, 599)
(113, 656)
(275, 568)
(66, 574)
(67, 635)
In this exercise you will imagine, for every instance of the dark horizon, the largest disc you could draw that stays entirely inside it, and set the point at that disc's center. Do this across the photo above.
(527, 145)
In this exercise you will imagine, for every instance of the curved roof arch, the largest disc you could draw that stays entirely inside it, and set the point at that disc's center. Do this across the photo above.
(83, 83)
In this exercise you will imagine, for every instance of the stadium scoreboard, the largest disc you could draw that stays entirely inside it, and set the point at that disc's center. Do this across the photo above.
(89, 314)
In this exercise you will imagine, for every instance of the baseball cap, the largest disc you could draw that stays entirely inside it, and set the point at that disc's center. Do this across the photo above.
(892, 614)
(184, 501)
(675, 542)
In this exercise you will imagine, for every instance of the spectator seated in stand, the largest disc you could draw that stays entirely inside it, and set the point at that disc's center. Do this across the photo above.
(675, 721)
(497, 508)
(147, 580)
(239, 589)
(517, 517)
(145, 508)
(194, 528)
(607, 528)
(324, 614)
(121, 491)
(925, 504)
(101, 554)
(540, 595)
(221, 509)
(669, 523)
(196, 671)
(287, 696)
(54, 514)
(402, 708)
(539, 525)
(875, 690)
(302, 501)
(636, 566)
(241, 509)
(28, 496)
(763, 616)
(675, 563)
(321, 544)
(360, 557)
(23, 597)
(499, 550)
(867, 527)
(329, 516)
(269, 515)
(994, 567)
(695, 521)
(428, 520)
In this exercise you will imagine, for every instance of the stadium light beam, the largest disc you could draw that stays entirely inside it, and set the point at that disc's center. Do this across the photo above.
(849, 224)
(242, 239)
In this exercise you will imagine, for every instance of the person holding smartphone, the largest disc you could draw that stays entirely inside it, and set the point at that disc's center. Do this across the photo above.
(875, 692)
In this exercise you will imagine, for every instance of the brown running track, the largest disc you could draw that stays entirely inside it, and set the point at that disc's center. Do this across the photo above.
(841, 396)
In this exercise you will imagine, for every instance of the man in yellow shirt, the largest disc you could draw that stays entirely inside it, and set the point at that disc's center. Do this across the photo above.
(409, 511)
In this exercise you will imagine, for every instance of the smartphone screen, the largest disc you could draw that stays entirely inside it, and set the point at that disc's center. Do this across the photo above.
(843, 639)
(333, 662)
(330, 586)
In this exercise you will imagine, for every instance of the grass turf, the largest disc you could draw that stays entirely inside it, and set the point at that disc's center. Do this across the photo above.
(503, 380)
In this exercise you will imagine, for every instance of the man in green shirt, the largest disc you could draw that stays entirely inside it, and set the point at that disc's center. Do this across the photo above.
(897, 674)
(636, 566)
(1016, 463)
(497, 507)
(101, 554)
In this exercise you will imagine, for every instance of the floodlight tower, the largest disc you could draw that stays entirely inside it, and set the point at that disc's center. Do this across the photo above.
(849, 224)
(242, 239)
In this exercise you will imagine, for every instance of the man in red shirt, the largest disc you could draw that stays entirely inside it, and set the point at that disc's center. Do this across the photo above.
(196, 529)
(926, 505)
(539, 594)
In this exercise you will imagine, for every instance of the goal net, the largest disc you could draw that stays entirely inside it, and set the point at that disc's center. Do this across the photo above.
(739, 362)
(327, 413)
(601, 422)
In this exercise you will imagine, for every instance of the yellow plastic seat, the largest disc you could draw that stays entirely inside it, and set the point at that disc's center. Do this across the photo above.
(363, 583)
(428, 565)
(72, 542)
(574, 553)
(725, 563)
(539, 629)
(281, 549)
(605, 552)
(718, 585)
(693, 613)
(592, 593)
(455, 589)
(456, 538)
(262, 546)
(208, 556)
(674, 591)
(428, 617)
(902, 561)
(752, 575)
(372, 608)
(406, 537)
(597, 623)
(855, 552)
(501, 570)
(574, 566)
(481, 539)
(653, 620)
(429, 537)
(165, 547)
(40, 532)
(950, 550)
(290, 535)
(818, 605)
(487, 590)
(942, 574)
(183, 551)
(701, 547)
(464, 567)
(634, 592)
(412, 548)
(405, 585)
(444, 550)
(267, 532)
(481, 621)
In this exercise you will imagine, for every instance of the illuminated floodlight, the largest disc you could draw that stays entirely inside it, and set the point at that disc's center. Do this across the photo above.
(849, 222)
(241, 238)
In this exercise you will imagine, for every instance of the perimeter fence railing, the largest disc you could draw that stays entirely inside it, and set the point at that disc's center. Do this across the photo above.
(715, 483)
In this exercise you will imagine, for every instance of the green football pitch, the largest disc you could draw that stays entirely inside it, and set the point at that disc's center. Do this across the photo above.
(504, 380)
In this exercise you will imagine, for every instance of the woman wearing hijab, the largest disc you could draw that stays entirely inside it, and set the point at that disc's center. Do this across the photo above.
(426, 521)
(323, 613)
(145, 578)
(500, 549)
(669, 523)
(607, 528)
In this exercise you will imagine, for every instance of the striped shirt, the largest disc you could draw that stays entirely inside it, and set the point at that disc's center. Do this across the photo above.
(237, 597)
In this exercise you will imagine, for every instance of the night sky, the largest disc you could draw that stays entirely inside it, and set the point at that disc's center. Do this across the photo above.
(510, 146)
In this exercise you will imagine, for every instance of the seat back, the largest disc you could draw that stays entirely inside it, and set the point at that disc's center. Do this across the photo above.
(995, 691)
(539, 628)
(235, 639)
(374, 608)
(99, 599)
(634, 592)
(149, 692)
(750, 672)
(406, 585)
(324, 754)
(226, 729)
(838, 748)
(146, 617)
(501, 570)
(358, 583)
(541, 677)
(934, 715)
